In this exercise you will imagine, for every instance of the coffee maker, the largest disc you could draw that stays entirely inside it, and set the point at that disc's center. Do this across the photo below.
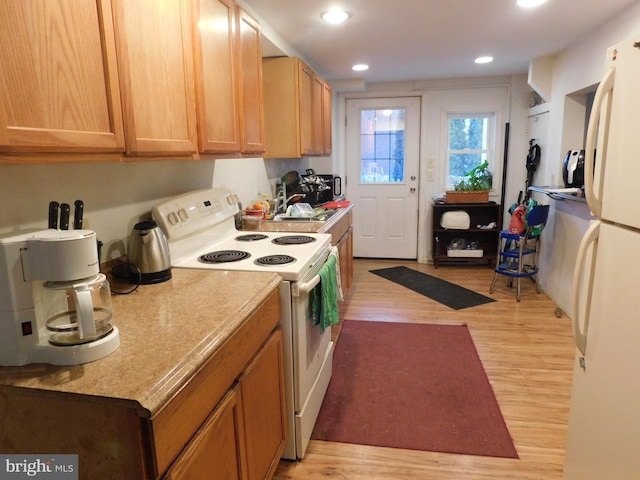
(55, 305)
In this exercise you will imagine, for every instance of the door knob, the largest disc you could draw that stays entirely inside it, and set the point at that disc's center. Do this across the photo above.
(413, 177)
(412, 190)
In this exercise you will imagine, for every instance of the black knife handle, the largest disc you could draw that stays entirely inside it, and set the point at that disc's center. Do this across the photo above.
(53, 214)
(65, 210)
(77, 214)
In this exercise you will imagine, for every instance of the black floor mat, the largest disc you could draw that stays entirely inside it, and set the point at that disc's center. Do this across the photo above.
(449, 294)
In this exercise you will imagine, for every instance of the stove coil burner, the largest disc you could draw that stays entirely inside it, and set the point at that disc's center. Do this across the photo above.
(251, 237)
(224, 256)
(275, 260)
(293, 240)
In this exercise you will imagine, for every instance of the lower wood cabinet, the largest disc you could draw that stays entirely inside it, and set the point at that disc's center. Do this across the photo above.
(263, 406)
(244, 436)
(216, 450)
(227, 421)
(342, 238)
(243, 381)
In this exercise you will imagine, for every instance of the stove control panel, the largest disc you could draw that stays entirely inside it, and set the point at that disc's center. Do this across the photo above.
(195, 211)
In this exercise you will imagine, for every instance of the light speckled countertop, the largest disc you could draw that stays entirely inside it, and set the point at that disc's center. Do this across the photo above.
(167, 331)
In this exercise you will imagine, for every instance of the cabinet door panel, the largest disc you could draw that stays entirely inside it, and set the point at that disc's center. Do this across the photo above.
(306, 89)
(345, 252)
(156, 75)
(215, 450)
(251, 90)
(327, 117)
(60, 88)
(216, 77)
(316, 123)
(263, 409)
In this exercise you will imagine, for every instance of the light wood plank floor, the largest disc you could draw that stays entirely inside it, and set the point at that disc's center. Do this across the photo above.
(526, 351)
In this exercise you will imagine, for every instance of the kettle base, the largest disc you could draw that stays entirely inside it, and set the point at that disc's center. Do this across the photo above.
(150, 278)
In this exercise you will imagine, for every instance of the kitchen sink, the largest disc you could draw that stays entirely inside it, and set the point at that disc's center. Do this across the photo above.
(319, 215)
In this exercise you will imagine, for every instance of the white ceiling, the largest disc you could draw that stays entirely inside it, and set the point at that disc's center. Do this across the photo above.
(429, 39)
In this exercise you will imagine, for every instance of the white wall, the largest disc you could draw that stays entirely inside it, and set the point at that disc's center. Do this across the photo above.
(575, 71)
(118, 195)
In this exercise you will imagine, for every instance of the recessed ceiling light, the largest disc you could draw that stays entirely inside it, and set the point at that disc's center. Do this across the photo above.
(486, 59)
(530, 3)
(335, 16)
(361, 67)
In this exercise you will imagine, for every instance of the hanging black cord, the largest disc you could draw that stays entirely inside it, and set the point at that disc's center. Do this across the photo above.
(116, 272)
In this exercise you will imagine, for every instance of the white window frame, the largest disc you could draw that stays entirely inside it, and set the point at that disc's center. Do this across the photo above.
(490, 151)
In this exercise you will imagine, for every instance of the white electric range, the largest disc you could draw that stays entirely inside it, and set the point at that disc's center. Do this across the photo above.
(201, 232)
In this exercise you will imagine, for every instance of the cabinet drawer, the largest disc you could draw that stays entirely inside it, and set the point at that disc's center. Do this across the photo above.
(174, 425)
(340, 228)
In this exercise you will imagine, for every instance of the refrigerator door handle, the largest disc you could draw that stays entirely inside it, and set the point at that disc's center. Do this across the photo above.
(606, 86)
(590, 239)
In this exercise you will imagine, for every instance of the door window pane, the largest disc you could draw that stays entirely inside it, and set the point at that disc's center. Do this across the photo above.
(382, 145)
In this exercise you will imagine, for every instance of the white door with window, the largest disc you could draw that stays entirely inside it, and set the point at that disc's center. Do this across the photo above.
(383, 144)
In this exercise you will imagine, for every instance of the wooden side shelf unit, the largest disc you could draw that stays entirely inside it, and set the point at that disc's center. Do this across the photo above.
(486, 239)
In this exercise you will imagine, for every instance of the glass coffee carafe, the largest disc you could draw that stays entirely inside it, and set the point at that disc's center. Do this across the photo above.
(76, 312)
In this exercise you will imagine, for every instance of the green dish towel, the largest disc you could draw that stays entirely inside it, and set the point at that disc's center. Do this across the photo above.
(323, 299)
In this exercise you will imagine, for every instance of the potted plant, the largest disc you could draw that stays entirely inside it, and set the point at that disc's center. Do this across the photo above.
(474, 188)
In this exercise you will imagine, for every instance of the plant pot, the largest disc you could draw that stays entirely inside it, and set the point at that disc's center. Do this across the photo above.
(475, 196)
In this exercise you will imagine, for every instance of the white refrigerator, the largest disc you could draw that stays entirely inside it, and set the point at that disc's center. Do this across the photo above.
(604, 423)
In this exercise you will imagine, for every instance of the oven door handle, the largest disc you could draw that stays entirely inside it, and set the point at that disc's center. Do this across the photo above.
(298, 290)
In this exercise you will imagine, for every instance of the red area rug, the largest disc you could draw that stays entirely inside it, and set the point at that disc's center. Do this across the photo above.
(412, 386)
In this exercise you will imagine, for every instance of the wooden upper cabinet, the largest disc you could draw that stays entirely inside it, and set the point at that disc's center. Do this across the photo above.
(250, 79)
(310, 91)
(316, 121)
(216, 76)
(305, 86)
(155, 61)
(327, 116)
(297, 114)
(59, 82)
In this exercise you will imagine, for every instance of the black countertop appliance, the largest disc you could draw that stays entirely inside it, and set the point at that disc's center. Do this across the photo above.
(319, 188)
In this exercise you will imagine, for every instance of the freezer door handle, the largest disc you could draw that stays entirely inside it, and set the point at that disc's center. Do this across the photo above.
(590, 239)
(605, 87)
